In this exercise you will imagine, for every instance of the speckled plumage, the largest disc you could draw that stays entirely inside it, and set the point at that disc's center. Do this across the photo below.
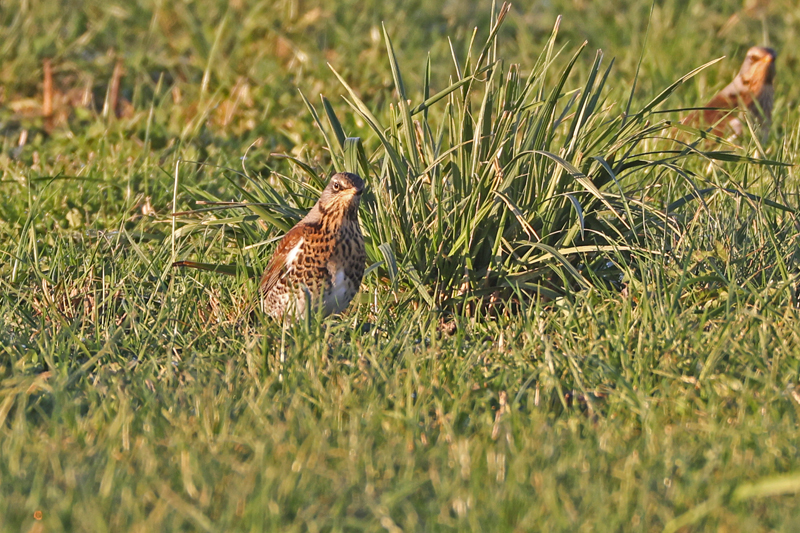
(752, 89)
(322, 258)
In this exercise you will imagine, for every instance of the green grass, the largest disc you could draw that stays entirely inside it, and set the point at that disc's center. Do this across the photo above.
(557, 336)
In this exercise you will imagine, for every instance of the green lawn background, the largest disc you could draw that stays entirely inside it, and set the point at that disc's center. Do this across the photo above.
(131, 398)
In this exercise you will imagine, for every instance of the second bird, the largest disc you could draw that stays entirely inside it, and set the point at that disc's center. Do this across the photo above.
(752, 90)
(320, 260)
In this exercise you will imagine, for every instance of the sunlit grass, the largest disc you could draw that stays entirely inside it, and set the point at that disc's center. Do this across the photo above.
(639, 373)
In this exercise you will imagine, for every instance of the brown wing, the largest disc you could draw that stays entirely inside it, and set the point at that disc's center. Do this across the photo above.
(277, 267)
(724, 101)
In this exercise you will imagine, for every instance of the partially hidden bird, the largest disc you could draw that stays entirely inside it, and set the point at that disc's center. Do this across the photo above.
(752, 89)
(321, 259)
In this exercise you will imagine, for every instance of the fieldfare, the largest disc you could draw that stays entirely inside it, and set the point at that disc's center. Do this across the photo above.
(751, 89)
(320, 260)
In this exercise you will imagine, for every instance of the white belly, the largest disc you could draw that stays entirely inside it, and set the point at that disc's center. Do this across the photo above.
(336, 298)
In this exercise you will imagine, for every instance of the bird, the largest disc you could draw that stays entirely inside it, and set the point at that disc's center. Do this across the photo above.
(321, 259)
(751, 89)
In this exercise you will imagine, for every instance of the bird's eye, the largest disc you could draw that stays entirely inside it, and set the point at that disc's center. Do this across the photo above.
(336, 186)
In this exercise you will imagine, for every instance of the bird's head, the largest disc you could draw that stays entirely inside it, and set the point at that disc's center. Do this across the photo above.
(758, 68)
(342, 194)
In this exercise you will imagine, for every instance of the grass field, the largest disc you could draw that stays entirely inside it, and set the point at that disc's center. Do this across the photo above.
(560, 333)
